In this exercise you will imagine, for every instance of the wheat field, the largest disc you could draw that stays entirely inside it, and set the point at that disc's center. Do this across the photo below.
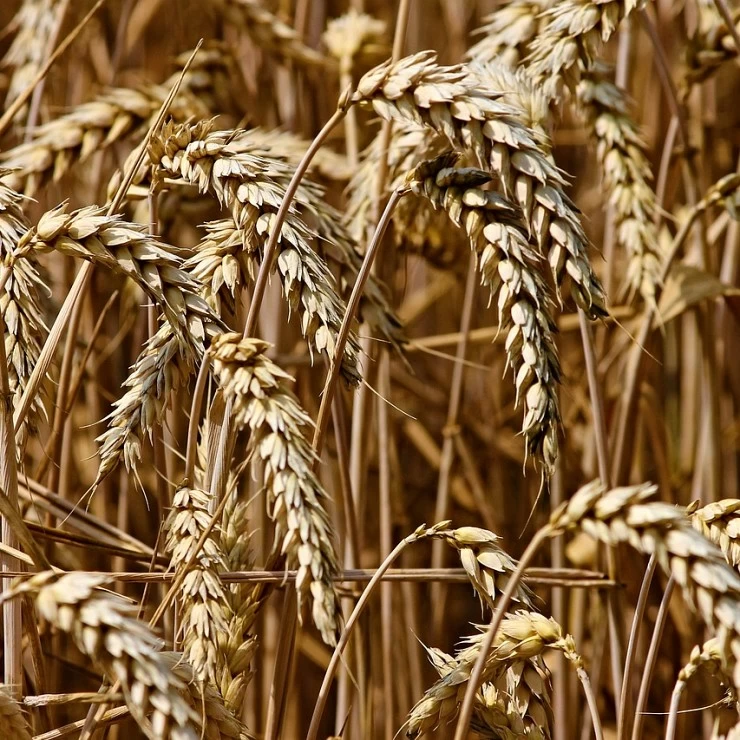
(368, 369)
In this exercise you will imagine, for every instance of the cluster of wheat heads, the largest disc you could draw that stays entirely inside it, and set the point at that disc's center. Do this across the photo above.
(278, 288)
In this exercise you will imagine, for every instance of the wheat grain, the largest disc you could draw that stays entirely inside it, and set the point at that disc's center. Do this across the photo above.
(104, 627)
(268, 31)
(22, 311)
(263, 403)
(13, 724)
(720, 523)
(453, 102)
(487, 565)
(203, 598)
(509, 268)
(250, 187)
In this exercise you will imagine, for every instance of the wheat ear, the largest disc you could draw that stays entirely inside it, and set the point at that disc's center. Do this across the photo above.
(35, 22)
(104, 627)
(509, 268)
(263, 403)
(454, 103)
(21, 309)
(13, 724)
(709, 48)
(523, 637)
(709, 584)
(244, 184)
(203, 599)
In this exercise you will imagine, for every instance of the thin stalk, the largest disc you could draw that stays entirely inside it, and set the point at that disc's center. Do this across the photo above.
(198, 395)
(670, 730)
(12, 627)
(626, 697)
(331, 670)
(448, 446)
(591, 701)
(476, 677)
(349, 315)
(651, 659)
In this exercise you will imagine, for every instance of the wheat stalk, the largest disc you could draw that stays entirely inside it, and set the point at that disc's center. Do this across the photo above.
(104, 627)
(21, 309)
(13, 724)
(246, 185)
(262, 402)
(454, 103)
(203, 599)
(509, 268)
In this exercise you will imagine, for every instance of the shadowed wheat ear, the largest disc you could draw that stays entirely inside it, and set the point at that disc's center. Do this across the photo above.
(204, 603)
(523, 637)
(104, 627)
(13, 724)
(219, 722)
(352, 35)
(263, 403)
(625, 515)
(268, 31)
(34, 23)
(59, 144)
(720, 523)
(454, 103)
(244, 184)
(22, 313)
(509, 267)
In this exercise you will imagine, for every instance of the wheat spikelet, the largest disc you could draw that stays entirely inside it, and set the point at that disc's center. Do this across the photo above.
(20, 305)
(35, 22)
(569, 38)
(203, 599)
(709, 584)
(720, 523)
(509, 268)
(104, 627)
(245, 184)
(268, 31)
(218, 722)
(13, 724)
(453, 102)
(488, 566)
(263, 403)
(707, 656)
(626, 173)
(518, 645)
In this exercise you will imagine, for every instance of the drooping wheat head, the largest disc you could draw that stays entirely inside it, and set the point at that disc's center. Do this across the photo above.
(204, 602)
(719, 522)
(510, 268)
(455, 103)
(105, 628)
(263, 404)
(12, 722)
